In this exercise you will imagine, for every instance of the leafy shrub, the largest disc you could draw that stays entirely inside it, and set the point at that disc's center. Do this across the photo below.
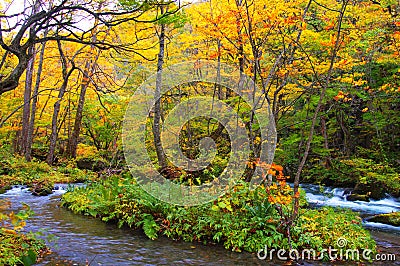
(15, 247)
(318, 229)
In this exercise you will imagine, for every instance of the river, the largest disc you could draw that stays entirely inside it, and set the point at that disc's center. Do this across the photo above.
(82, 240)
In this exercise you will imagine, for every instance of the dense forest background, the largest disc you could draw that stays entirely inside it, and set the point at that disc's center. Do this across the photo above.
(329, 70)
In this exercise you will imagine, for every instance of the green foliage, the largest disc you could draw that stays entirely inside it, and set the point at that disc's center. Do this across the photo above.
(320, 228)
(369, 172)
(177, 20)
(101, 126)
(16, 249)
(150, 227)
(360, 145)
(238, 220)
(139, 5)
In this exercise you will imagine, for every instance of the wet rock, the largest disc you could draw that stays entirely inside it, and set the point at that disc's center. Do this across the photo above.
(387, 218)
(347, 191)
(354, 197)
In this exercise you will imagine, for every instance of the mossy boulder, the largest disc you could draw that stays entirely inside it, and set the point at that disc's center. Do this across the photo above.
(387, 218)
(42, 188)
(94, 164)
(375, 191)
(3, 189)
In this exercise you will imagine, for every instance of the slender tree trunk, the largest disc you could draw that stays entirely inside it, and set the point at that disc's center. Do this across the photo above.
(73, 140)
(26, 113)
(334, 52)
(219, 90)
(241, 55)
(27, 104)
(324, 132)
(29, 140)
(249, 172)
(57, 106)
(162, 161)
(54, 121)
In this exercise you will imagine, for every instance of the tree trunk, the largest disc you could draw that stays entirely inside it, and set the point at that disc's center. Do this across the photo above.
(22, 143)
(324, 133)
(162, 161)
(29, 140)
(241, 59)
(73, 140)
(219, 91)
(54, 132)
(27, 105)
(57, 105)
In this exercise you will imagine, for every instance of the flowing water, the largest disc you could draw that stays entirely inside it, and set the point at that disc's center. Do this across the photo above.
(336, 197)
(82, 240)
(386, 236)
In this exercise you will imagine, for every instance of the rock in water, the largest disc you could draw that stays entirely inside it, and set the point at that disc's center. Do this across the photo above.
(354, 197)
(42, 188)
(387, 218)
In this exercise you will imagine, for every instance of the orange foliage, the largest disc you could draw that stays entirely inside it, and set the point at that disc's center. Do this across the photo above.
(279, 192)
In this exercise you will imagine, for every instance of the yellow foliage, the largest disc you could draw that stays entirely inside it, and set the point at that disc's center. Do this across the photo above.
(84, 150)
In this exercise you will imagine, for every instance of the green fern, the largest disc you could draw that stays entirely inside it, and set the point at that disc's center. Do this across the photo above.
(149, 226)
